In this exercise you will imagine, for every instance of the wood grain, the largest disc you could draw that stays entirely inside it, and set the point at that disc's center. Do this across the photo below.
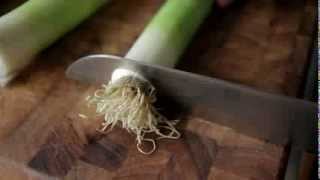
(7, 5)
(261, 43)
(15, 171)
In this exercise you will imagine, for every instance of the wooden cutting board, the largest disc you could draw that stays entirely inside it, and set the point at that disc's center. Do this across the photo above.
(259, 43)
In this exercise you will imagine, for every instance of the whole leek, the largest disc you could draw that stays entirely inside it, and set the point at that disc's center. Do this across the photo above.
(128, 98)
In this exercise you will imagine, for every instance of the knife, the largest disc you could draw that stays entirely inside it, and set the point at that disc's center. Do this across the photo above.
(274, 118)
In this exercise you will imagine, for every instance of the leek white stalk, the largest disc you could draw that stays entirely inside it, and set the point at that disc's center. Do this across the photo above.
(35, 25)
(128, 98)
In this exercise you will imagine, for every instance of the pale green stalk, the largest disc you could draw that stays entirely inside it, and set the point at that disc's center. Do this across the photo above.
(35, 25)
(168, 34)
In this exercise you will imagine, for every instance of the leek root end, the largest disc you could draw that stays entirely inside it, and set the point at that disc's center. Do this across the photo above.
(128, 102)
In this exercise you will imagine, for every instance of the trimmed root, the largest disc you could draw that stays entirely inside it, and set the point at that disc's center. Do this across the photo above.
(128, 102)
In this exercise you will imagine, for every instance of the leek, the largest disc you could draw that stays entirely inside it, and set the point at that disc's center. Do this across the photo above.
(128, 98)
(35, 25)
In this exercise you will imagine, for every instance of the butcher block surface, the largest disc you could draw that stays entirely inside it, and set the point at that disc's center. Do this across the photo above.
(259, 43)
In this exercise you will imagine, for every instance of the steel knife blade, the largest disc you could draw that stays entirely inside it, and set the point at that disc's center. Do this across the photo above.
(274, 118)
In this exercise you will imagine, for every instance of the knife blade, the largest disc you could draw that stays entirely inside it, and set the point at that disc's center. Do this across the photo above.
(273, 118)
